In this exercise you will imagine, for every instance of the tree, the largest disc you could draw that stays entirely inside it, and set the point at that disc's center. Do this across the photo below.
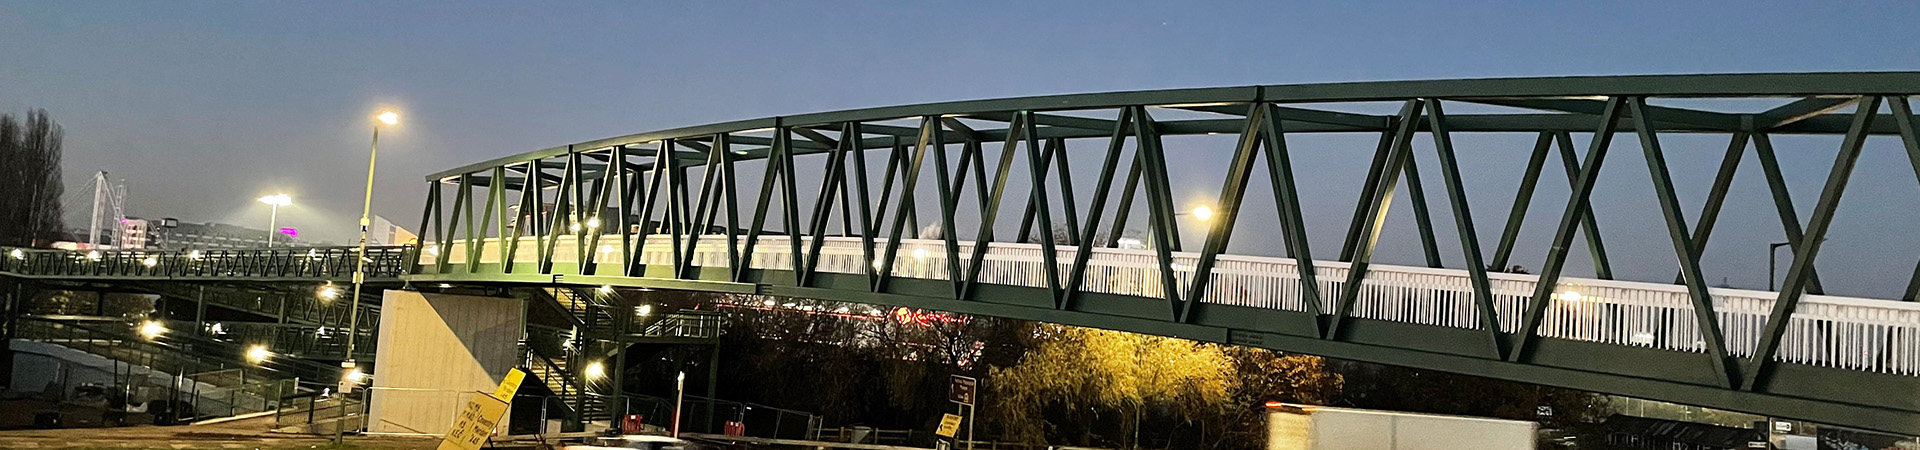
(30, 188)
(1079, 373)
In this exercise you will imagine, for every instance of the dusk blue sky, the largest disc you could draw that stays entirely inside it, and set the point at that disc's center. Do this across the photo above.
(203, 106)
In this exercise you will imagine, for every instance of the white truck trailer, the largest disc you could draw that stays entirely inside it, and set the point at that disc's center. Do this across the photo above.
(1306, 427)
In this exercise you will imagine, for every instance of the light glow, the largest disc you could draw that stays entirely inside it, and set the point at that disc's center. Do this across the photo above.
(258, 353)
(150, 261)
(328, 292)
(644, 310)
(596, 370)
(1202, 212)
(152, 329)
(1570, 295)
(277, 200)
(93, 255)
(389, 117)
(18, 254)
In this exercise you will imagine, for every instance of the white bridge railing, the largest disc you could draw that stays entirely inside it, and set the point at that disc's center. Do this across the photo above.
(1840, 332)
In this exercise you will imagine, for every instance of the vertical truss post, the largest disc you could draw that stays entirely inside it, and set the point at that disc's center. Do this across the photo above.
(948, 201)
(562, 209)
(1376, 206)
(1794, 287)
(1126, 199)
(1716, 196)
(462, 209)
(623, 206)
(496, 209)
(852, 135)
(430, 214)
(1368, 190)
(1422, 220)
(526, 215)
(1103, 185)
(677, 212)
(823, 208)
(1903, 120)
(656, 188)
(1220, 230)
(708, 204)
(929, 131)
(789, 196)
(1017, 130)
(1588, 226)
(1160, 208)
(604, 189)
(1577, 202)
(1683, 245)
(1469, 238)
(730, 198)
(1522, 197)
(1782, 201)
(1287, 197)
(1058, 148)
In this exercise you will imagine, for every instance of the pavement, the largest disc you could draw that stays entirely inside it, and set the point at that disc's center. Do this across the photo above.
(196, 437)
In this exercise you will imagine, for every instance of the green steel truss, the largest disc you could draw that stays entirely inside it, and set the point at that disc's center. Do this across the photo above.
(511, 215)
(628, 210)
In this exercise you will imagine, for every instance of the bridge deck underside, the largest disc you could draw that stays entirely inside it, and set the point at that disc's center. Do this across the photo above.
(1616, 337)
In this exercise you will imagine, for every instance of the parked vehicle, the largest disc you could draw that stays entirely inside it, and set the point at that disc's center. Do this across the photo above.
(1307, 427)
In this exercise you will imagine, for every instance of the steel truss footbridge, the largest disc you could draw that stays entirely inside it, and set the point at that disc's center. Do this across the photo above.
(1010, 232)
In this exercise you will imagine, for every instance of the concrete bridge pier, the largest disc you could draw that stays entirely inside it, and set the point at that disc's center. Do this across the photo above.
(436, 351)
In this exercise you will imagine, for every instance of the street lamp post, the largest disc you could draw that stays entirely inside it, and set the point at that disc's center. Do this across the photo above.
(273, 218)
(360, 261)
(1773, 250)
(679, 396)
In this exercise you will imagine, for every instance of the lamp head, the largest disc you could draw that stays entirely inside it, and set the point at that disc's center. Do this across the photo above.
(389, 117)
(277, 200)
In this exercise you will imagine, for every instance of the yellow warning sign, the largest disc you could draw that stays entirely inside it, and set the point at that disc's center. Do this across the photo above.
(474, 423)
(477, 420)
(509, 385)
(949, 424)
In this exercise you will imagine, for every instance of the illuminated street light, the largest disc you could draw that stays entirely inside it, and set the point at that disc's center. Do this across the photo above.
(328, 292)
(593, 223)
(150, 261)
(152, 329)
(644, 310)
(596, 370)
(93, 255)
(18, 254)
(360, 263)
(1570, 295)
(277, 200)
(1202, 212)
(258, 353)
(195, 255)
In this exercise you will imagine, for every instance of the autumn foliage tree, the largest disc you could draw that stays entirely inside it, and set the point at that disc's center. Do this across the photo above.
(1098, 387)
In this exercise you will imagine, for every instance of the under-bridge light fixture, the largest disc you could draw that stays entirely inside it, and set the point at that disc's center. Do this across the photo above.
(195, 255)
(258, 353)
(606, 289)
(596, 370)
(643, 310)
(150, 261)
(18, 254)
(328, 292)
(152, 329)
(593, 223)
(93, 255)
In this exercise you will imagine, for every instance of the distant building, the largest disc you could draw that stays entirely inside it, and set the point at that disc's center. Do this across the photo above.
(384, 232)
(184, 235)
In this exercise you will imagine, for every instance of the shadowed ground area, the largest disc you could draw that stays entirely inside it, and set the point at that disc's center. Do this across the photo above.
(238, 435)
